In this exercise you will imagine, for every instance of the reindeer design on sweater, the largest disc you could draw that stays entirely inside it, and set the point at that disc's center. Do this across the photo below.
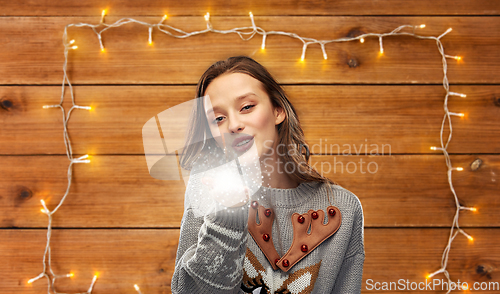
(309, 231)
(256, 279)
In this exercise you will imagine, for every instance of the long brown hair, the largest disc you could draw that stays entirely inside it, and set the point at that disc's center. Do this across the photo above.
(199, 140)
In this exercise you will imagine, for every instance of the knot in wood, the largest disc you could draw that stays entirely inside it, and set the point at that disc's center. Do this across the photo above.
(476, 164)
(6, 104)
(353, 62)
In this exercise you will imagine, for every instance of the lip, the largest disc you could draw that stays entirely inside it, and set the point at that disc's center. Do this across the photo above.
(241, 139)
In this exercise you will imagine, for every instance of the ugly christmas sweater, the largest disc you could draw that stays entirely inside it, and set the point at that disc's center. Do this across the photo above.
(286, 241)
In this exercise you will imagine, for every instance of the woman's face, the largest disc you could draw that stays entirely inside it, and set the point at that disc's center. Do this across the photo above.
(238, 109)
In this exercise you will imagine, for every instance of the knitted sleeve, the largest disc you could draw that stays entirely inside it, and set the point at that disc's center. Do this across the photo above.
(349, 279)
(211, 251)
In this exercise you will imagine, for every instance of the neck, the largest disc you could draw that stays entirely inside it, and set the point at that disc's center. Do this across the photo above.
(274, 173)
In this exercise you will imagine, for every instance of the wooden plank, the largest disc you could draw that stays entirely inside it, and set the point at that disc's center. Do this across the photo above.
(117, 191)
(31, 57)
(146, 257)
(408, 118)
(282, 7)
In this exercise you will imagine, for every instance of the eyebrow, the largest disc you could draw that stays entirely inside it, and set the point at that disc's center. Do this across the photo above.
(237, 99)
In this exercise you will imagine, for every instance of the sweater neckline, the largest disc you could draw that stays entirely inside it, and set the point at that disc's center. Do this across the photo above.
(290, 197)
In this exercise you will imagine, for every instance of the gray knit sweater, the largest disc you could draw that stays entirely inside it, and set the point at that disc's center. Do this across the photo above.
(216, 253)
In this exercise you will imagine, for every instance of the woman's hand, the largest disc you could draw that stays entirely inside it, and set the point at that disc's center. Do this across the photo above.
(227, 191)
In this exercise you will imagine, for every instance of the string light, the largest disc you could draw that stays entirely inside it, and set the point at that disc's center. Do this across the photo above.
(456, 114)
(102, 15)
(457, 94)
(242, 31)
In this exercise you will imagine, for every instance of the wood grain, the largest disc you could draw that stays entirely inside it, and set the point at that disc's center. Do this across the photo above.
(146, 257)
(121, 222)
(28, 57)
(261, 7)
(405, 118)
(117, 191)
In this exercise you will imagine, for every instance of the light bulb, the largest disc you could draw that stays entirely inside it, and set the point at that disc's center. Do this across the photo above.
(362, 40)
(207, 16)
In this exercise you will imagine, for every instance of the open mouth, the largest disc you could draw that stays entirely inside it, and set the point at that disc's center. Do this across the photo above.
(243, 144)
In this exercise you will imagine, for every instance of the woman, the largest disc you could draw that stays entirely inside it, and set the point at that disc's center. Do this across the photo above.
(299, 232)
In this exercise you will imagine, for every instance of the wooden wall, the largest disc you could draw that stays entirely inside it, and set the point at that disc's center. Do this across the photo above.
(124, 224)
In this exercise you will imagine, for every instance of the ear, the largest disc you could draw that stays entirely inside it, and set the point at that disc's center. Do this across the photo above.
(279, 115)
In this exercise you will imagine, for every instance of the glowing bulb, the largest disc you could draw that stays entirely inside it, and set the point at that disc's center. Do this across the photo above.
(72, 41)
(362, 40)
(251, 14)
(74, 47)
(45, 106)
(207, 16)
(96, 275)
(381, 50)
(70, 275)
(458, 57)
(164, 17)
(103, 13)
(263, 47)
(422, 26)
(43, 210)
(460, 168)
(433, 147)
(461, 114)
(473, 209)
(470, 238)
(103, 50)
(136, 287)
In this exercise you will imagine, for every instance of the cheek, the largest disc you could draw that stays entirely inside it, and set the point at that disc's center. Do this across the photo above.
(217, 136)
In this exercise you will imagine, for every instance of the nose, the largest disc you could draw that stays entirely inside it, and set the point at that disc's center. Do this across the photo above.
(235, 125)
